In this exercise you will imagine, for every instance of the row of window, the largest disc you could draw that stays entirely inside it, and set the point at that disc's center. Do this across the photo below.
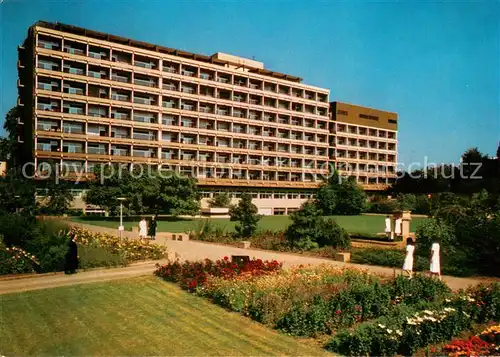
(355, 155)
(170, 66)
(79, 167)
(367, 144)
(260, 194)
(268, 135)
(359, 130)
(53, 145)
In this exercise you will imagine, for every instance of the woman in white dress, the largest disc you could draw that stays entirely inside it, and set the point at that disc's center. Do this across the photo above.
(408, 263)
(143, 229)
(435, 260)
(397, 226)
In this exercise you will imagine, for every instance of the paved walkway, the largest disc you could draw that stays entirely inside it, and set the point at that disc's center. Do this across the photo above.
(192, 250)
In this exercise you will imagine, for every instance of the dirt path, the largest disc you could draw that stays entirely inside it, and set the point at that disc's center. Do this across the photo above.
(191, 250)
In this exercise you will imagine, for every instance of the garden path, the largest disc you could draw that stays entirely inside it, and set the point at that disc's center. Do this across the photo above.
(192, 250)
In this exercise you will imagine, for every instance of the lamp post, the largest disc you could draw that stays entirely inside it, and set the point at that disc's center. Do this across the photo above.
(120, 227)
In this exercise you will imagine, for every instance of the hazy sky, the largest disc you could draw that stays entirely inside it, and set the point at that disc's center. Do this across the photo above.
(436, 64)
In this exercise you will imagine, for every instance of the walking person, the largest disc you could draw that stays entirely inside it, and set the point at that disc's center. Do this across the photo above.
(408, 263)
(143, 229)
(435, 268)
(152, 228)
(71, 258)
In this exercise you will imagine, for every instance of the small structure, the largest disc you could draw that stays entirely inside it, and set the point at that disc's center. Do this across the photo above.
(215, 212)
(245, 244)
(343, 257)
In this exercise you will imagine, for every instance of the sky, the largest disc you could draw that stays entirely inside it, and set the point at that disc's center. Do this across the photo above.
(437, 64)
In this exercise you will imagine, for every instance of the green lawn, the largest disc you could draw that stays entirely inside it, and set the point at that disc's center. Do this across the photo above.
(140, 316)
(353, 224)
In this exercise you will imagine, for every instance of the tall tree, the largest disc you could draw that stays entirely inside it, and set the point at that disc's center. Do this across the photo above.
(341, 195)
(9, 147)
(245, 212)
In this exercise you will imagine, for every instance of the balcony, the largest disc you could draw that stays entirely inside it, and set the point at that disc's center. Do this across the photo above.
(47, 86)
(188, 73)
(97, 150)
(73, 110)
(54, 46)
(205, 76)
(74, 51)
(143, 82)
(49, 66)
(144, 118)
(169, 87)
(73, 70)
(121, 97)
(146, 101)
(73, 149)
(188, 107)
(95, 74)
(122, 79)
(170, 69)
(144, 136)
(169, 105)
(168, 156)
(72, 90)
(148, 65)
(122, 116)
(98, 55)
(140, 153)
(187, 90)
(119, 152)
(120, 135)
(47, 147)
(48, 107)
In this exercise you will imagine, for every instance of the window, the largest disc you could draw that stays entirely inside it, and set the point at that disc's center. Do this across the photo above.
(393, 121)
(279, 211)
(342, 112)
(370, 117)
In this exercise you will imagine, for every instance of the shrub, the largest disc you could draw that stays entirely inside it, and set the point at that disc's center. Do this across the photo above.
(386, 257)
(220, 200)
(245, 212)
(16, 229)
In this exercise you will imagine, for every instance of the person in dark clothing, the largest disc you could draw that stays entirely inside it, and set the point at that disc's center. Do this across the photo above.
(152, 228)
(71, 263)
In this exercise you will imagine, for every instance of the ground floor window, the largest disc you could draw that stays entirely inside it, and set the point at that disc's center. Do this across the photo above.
(279, 211)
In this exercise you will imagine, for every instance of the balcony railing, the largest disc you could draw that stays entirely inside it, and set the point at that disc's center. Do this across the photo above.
(49, 45)
(46, 86)
(97, 151)
(49, 66)
(73, 149)
(169, 105)
(205, 76)
(143, 136)
(47, 147)
(48, 107)
(187, 90)
(143, 101)
(74, 90)
(98, 55)
(119, 152)
(148, 65)
(169, 87)
(74, 70)
(143, 119)
(223, 80)
(144, 82)
(47, 127)
(188, 107)
(122, 97)
(120, 116)
(120, 135)
(120, 79)
(96, 74)
(143, 153)
(71, 130)
(74, 51)
(188, 73)
(170, 69)
(72, 110)
(168, 122)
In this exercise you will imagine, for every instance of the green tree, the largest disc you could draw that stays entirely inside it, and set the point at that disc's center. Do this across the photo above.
(17, 193)
(153, 191)
(309, 229)
(245, 212)
(220, 200)
(10, 150)
(341, 196)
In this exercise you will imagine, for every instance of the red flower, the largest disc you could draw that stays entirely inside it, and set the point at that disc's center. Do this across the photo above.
(338, 312)
(226, 258)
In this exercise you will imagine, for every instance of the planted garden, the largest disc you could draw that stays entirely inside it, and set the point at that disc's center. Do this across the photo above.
(357, 312)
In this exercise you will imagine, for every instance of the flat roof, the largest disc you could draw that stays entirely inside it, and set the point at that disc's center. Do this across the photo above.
(362, 107)
(254, 66)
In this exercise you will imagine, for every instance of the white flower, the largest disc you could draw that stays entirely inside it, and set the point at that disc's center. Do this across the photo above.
(447, 300)
(389, 330)
(381, 326)
(399, 332)
(428, 312)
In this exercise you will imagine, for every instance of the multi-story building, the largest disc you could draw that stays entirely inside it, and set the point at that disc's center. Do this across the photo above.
(89, 98)
(364, 144)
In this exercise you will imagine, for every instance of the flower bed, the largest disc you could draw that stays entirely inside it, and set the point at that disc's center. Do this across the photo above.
(193, 275)
(127, 249)
(408, 330)
(14, 260)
